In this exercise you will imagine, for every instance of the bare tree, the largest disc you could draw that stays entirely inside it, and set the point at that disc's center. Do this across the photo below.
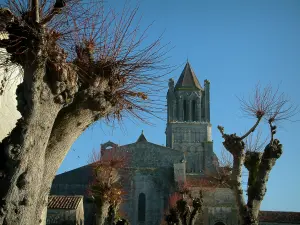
(79, 65)
(107, 188)
(271, 106)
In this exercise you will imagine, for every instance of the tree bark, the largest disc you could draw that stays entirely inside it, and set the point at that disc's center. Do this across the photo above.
(262, 167)
(102, 212)
(112, 212)
(70, 123)
(193, 217)
(32, 153)
(23, 151)
(259, 166)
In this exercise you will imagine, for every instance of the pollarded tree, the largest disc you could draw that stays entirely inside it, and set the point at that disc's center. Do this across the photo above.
(107, 186)
(79, 66)
(184, 208)
(271, 106)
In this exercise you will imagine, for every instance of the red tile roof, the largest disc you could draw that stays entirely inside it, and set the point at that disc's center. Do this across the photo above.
(196, 180)
(63, 202)
(203, 181)
(279, 217)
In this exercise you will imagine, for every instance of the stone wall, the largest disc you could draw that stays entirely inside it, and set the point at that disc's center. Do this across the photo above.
(156, 185)
(149, 155)
(219, 206)
(8, 103)
(61, 216)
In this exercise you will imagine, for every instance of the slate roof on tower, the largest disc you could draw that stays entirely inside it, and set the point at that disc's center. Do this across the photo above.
(188, 79)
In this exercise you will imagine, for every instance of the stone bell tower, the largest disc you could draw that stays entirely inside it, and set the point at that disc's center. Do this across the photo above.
(188, 120)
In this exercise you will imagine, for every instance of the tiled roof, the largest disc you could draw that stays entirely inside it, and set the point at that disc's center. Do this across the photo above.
(63, 202)
(203, 181)
(279, 217)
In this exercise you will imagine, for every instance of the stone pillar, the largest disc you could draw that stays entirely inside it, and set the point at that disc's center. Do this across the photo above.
(208, 132)
(169, 110)
(207, 100)
(180, 109)
(174, 108)
(170, 97)
(198, 109)
(179, 172)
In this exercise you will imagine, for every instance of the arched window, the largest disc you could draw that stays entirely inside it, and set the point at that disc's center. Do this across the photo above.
(142, 207)
(194, 110)
(185, 111)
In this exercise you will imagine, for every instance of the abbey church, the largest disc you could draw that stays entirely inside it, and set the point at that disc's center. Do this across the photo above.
(155, 169)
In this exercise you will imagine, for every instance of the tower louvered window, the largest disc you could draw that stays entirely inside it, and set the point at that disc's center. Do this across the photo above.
(194, 110)
(185, 111)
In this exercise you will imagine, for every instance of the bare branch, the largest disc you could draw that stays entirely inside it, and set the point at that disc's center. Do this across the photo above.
(252, 129)
(106, 47)
(254, 142)
(268, 103)
(221, 129)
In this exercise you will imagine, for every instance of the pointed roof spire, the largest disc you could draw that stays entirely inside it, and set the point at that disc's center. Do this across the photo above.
(142, 138)
(188, 79)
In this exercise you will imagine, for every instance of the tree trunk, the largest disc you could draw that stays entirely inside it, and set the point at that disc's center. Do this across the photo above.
(102, 212)
(111, 215)
(36, 148)
(250, 219)
(23, 151)
(70, 123)
(193, 217)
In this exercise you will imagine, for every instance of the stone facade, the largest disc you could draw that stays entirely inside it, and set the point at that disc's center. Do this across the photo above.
(154, 170)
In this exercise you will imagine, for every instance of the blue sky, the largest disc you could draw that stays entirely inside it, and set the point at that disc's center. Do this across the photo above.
(235, 45)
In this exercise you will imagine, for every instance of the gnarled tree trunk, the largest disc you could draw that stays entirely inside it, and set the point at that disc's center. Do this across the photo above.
(23, 151)
(102, 213)
(259, 166)
(66, 87)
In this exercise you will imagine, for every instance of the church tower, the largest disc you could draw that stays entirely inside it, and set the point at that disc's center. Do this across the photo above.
(188, 120)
